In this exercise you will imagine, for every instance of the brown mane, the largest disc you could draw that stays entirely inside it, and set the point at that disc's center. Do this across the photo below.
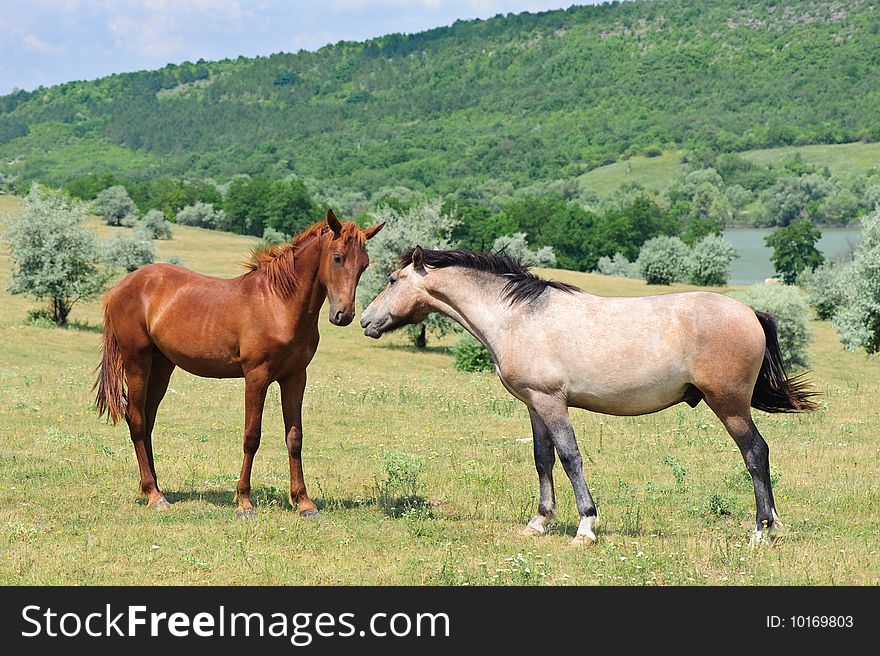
(278, 262)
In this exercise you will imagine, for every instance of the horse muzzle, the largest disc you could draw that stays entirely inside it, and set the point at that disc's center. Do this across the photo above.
(340, 318)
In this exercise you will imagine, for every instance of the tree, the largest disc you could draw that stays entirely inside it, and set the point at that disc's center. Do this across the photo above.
(201, 215)
(130, 251)
(618, 266)
(710, 260)
(794, 249)
(155, 225)
(114, 205)
(663, 260)
(517, 247)
(290, 208)
(710, 210)
(424, 225)
(826, 288)
(54, 256)
(858, 318)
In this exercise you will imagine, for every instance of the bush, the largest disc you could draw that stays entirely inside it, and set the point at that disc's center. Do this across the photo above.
(618, 266)
(710, 261)
(54, 257)
(201, 215)
(826, 290)
(272, 236)
(858, 319)
(114, 205)
(154, 224)
(787, 306)
(663, 260)
(130, 252)
(517, 247)
(470, 355)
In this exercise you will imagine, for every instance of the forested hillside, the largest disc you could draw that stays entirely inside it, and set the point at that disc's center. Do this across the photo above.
(487, 104)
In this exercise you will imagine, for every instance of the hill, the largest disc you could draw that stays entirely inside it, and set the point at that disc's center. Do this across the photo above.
(513, 100)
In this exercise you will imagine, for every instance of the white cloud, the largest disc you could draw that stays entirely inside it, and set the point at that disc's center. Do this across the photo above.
(36, 44)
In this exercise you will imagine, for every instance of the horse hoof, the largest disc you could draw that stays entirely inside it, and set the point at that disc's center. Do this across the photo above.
(584, 538)
(160, 505)
(245, 513)
(311, 513)
(534, 527)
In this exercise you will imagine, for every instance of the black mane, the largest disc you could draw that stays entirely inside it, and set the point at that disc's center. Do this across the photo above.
(522, 286)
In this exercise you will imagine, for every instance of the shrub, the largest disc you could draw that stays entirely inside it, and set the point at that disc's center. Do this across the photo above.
(155, 225)
(470, 355)
(114, 205)
(55, 258)
(273, 236)
(787, 306)
(710, 261)
(201, 215)
(826, 290)
(130, 252)
(663, 260)
(399, 490)
(618, 266)
(517, 247)
(858, 320)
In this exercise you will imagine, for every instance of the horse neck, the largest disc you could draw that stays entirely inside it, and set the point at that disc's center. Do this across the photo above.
(309, 294)
(473, 299)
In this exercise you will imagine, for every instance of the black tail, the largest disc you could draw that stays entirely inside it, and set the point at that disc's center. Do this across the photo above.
(774, 390)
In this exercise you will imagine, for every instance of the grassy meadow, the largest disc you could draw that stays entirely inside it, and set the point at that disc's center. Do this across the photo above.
(676, 504)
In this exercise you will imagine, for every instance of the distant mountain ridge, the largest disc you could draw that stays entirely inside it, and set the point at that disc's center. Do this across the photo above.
(512, 100)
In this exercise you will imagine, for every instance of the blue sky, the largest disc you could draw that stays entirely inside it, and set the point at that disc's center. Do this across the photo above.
(44, 42)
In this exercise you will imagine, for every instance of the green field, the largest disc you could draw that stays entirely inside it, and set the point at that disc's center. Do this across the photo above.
(72, 514)
(660, 173)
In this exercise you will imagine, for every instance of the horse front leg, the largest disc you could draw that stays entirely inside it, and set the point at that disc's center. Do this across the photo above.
(255, 386)
(292, 390)
(554, 414)
(545, 459)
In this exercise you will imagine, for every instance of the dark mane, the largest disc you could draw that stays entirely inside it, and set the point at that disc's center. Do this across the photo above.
(522, 286)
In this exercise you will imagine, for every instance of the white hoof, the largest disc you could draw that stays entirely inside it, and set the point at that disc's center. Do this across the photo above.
(766, 535)
(584, 538)
(585, 534)
(535, 526)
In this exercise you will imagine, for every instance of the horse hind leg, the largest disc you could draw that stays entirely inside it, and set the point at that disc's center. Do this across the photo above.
(737, 419)
(161, 369)
(137, 376)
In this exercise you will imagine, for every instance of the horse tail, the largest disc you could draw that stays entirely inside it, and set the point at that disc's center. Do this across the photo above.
(111, 398)
(775, 390)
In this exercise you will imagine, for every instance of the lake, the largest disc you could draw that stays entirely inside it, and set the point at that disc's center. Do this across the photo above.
(753, 264)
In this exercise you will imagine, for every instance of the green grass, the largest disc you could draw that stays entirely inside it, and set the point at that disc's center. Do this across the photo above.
(843, 160)
(656, 173)
(660, 173)
(675, 509)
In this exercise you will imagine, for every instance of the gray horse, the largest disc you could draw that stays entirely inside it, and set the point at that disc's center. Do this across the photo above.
(555, 347)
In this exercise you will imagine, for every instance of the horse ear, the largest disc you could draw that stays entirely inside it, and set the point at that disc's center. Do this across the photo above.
(369, 233)
(418, 258)
(333, 222)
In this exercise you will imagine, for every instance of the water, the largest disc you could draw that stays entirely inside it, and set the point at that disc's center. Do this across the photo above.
(753, 264)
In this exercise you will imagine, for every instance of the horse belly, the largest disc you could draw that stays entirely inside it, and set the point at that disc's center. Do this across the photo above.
(199, 354)
(620, 398)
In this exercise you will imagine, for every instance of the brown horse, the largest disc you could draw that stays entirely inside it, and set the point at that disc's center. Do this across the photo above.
(262, 326)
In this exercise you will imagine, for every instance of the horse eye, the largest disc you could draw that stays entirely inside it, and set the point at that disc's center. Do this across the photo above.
(392, 280)
(337, 257)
